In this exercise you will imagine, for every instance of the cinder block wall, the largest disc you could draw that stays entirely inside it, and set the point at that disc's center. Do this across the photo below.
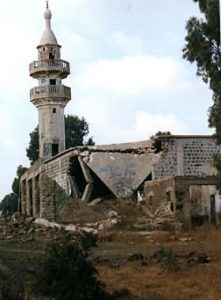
(186, 156)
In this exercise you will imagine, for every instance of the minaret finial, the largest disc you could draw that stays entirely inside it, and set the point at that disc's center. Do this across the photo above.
(46, 3)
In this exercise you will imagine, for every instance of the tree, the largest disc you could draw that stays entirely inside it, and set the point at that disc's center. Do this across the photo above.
(9, 203)
(203, 48)
(32, 151)
(157, 144)
(76, 129)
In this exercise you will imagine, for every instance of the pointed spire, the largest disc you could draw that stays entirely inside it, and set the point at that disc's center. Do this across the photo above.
(48, 37)
(47, 16)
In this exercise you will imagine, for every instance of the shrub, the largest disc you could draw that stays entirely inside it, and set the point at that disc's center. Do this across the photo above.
(68, 274)
(167, 259)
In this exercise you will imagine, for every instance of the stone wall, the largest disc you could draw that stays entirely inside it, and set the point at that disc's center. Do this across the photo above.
(44, 187)
(57, 168)
(186, 156)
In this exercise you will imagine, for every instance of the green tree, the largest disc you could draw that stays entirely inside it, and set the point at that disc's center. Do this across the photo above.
(9, 203)
(203, 48)
(76, 130)
(32, 151)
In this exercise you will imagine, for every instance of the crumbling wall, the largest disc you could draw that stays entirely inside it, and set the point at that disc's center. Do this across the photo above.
(194, 200)
(57, 168)
(29, 202)
(160, 192)
(53, 198)
(186, 156)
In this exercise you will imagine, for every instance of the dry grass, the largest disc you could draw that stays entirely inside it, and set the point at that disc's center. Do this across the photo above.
(195, 281)
(200, 282)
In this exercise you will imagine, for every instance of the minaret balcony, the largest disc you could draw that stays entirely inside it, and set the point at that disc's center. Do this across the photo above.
(60, 92)
(39, 67)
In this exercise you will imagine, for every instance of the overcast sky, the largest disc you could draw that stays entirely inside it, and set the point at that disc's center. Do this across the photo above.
(128, 77)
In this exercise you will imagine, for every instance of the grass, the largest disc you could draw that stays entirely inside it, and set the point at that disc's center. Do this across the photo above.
(195, 281)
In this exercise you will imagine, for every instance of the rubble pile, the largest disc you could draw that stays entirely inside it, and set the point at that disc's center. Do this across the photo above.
(19, 227)
(161, 218)
(143, 218)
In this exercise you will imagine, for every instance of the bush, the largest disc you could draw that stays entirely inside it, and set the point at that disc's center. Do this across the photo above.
(167, 259)
(68, 274)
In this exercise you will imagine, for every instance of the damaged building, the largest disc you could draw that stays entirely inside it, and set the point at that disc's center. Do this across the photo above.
(86, 173)
(181, 176)
(177, 171)
(185, 179)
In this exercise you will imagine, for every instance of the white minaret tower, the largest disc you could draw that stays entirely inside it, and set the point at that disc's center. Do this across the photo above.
(50, 96)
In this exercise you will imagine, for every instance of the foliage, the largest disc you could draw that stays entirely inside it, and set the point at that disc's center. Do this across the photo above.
(203, 48)
(88, 240)
(12, 285)
(9, 203)
(167, 259)
(15, 184)
(156, 146)
(32, 151)
(76, 129)
(68, 274)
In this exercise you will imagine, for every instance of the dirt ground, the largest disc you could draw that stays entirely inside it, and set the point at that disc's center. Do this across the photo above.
(129, 262)
(134, 262)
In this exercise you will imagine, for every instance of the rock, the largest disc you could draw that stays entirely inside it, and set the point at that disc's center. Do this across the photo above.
(105, 224)
(185, 239)
(94, 202)
(112, 214)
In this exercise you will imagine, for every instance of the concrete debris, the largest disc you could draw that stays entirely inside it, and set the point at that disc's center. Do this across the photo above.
(122, 173)
(38, 229)
(46, 223)
(163, 211)
(95, 202)
(160, 218)
(112, 214)
(69, 227)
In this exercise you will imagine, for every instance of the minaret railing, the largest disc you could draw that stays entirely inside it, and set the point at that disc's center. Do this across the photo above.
(49, 65)
(57, 91)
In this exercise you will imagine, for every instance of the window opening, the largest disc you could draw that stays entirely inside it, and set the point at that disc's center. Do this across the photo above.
(51, 55)
(52, 81)
(54, 149)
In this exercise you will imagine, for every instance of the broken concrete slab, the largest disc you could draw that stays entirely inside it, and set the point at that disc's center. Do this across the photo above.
(122, 173)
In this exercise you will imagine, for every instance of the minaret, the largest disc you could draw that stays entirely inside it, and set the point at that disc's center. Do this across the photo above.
(50, 96)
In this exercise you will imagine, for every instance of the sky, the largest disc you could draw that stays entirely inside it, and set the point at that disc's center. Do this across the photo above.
(128, 77)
